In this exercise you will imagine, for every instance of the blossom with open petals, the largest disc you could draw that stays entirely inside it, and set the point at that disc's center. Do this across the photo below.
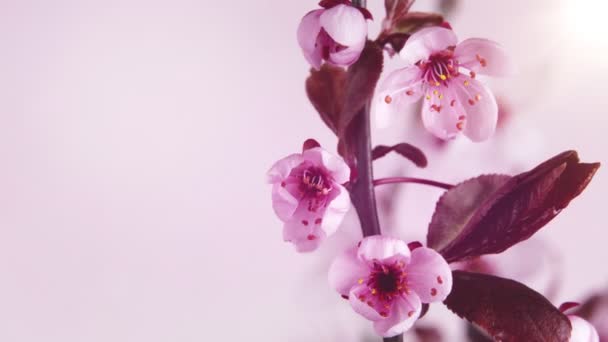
(387, 284)
(454, 100)
(335, 34)
(307, 194)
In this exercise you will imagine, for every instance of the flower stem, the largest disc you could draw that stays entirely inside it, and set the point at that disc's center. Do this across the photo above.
(398, 338)
(362, 191)
(396, 180)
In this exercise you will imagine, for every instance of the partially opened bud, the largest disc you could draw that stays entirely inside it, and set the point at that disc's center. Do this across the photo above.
(335, 34)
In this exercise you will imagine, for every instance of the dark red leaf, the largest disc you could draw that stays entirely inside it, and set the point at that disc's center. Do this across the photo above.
(326, 90)
(396, 9)
(408, 151)
(505, 309)
(513, 213)
(360, 84)
(414, 21)
(396, 41)
(477, 335)
(340, 95)
(399, 23)
(456, 207)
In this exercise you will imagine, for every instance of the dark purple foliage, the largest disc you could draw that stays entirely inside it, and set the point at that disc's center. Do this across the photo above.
(505, 309)
(470, 221)
(457, 206)
(340, 95)
(411, 152)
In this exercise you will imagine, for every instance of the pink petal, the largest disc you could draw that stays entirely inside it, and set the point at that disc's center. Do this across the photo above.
(479, 105)
(308, 31)
(348, 56)
(429, 275)
(422, 44)
(582, 331)
(442, 112)
(336, 210)
(336, 166)
(380, 247)
(302, 231)
(345, 271)
(483, 56)
(361, 300)
(402, 87)
(404, 313)
(281, 169)
(283, 203)
(344, 24)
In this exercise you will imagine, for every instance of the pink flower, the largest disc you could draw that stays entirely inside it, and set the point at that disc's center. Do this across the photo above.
(336, 34)
(387, 284)
(454, 101)
(308, 196)
(582, 331)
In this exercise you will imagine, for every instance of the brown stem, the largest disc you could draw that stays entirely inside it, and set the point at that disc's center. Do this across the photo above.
(362, 191)
(362, 194)
(398, 338)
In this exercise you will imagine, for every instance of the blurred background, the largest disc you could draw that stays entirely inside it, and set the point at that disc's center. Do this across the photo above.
(135, 136)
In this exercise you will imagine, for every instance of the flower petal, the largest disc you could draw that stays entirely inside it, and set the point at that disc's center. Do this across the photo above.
(302, 231)
(422, 44)
(344, 24)
(339, 171)
(308, 32)
(346, 57)
(429, 275)
(360, 299)
(304, 239)
(339, 204)
(483, 56)
(442, 112)
(402, 87)
(282, 168)
(380, 247)
(479, 105)
(345, 271)
(283, 203)
(404, 313)
(582, 331)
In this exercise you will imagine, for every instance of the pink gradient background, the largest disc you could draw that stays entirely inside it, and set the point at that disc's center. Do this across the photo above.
(134, 139)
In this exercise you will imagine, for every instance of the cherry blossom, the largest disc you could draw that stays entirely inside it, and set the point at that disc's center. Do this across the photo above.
(336, 34)
(454, 100)
(387, 284)
(308, 196)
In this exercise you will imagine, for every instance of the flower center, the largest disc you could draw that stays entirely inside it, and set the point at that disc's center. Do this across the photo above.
(388, 281)
(314, 182)
(439, 68)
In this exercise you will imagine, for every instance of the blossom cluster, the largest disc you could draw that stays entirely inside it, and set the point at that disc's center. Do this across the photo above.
(383, 278)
